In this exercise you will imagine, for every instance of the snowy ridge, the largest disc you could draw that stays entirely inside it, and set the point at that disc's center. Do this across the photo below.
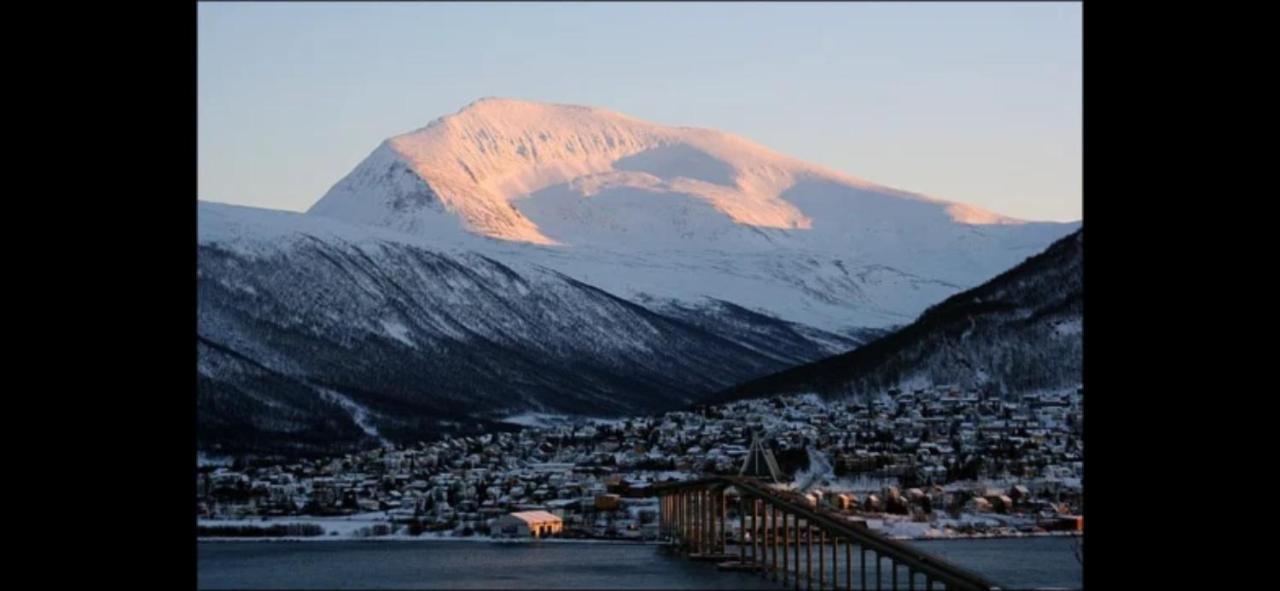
(520, 257)
(480, 162)
(497, 150)
(646, 210)
(1019, 333)
(316, 335)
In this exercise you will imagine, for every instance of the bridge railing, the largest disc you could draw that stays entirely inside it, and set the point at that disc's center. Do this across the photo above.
(690, 516)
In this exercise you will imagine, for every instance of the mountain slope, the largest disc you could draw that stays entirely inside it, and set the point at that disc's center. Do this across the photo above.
(695, 213)
(313, 334)
(520, 256)
(1018, 332)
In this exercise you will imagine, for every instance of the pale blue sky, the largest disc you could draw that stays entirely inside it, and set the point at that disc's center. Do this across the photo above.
(979, 103)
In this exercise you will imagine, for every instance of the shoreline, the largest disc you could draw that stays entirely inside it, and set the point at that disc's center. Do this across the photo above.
(484, 539)
(424, 538)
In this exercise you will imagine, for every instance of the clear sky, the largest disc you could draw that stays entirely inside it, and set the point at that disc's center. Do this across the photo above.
(978, 103)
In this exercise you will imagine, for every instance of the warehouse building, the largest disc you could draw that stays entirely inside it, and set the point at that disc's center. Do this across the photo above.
(523, 524)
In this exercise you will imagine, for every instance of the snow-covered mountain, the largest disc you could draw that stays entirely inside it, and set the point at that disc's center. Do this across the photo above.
(1018, 333)
(664, 213)
(316, 335)
(518, 256)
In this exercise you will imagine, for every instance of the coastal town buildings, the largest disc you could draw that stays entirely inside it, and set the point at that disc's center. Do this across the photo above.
(963, 462)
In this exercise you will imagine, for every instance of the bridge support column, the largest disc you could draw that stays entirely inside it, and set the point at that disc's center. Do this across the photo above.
(696, 507)
(677, 520)
(672, 517)
(709, 546)
(712, 546)
(808, 555)
(721, 540)
(758, 530)
(786, 547)
(709, 524)
(666, 517)
(862, 551)
(671, 514)
(742, 530)
(796, 557)
(686, 527)
(699, 520)
(662, 516)
(822, 552)
(702, 520)
(684, 520)
(755, 535)
(835, 562)
(848, 565)
(693, 520)
(766, 510)
(775, 545)
(764, 539)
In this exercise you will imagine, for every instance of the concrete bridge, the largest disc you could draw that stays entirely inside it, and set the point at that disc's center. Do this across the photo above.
(783, 538)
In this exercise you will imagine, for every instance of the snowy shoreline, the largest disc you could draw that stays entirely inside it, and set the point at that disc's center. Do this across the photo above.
(425, 538)
(361, 527)
(478, 539)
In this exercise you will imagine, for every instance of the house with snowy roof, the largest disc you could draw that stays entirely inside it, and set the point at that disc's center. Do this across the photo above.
(524, 524)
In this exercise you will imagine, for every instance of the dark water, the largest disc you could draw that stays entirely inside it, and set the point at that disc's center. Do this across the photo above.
(1016, 563)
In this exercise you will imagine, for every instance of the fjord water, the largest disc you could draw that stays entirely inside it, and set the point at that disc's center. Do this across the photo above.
(1015, 563)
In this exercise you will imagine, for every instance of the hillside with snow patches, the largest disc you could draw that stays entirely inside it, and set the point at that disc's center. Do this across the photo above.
(316, 336)
(520, 257)
(1020, 332)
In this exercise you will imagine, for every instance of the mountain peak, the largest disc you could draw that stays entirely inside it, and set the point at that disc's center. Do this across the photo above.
(549, 173)
(507, 102)
(517, 111)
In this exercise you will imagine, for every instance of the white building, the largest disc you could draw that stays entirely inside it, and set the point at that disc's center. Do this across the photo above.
(538, 524)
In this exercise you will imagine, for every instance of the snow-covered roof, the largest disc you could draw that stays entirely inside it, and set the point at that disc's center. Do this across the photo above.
(535, 516)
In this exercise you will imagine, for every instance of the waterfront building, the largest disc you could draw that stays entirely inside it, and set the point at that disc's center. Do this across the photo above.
(523, 524)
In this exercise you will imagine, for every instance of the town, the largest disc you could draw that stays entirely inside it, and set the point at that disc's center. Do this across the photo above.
(930, 462)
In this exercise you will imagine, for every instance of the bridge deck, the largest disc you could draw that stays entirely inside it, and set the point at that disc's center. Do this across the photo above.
(789, 503)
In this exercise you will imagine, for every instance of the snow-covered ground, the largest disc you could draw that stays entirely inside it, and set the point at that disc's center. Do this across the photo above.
(818, 473)
(537, 419)
(359, 526)
(204, 459)
(359, 414)
(675, 213)
(345, 527)
(542, 420)
(905, 529)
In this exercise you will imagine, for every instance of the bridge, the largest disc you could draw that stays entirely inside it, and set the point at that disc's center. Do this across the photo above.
(773, 526)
